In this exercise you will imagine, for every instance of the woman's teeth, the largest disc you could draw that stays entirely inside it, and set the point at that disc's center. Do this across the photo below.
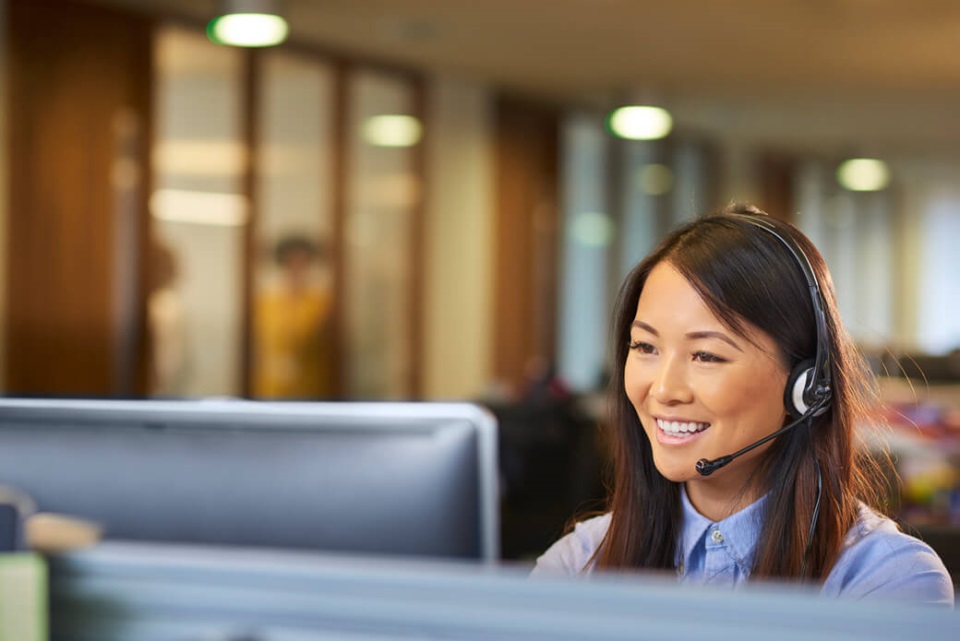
(677, 428)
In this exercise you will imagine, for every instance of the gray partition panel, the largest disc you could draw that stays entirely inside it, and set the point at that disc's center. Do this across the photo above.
(133, 592)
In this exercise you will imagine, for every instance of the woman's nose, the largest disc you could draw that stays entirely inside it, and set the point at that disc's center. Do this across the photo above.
(669, 386)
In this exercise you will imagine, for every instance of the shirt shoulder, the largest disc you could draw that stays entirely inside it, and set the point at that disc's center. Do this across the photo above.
(573, 553)
(880, 561)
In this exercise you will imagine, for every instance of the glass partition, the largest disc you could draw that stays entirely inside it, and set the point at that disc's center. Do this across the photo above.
(383, 193)
(855, 234)
(293, 283)
(588, 235)
(620, 198)
(198, 214)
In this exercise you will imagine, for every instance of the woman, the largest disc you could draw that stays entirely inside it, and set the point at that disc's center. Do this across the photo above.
(736, 396)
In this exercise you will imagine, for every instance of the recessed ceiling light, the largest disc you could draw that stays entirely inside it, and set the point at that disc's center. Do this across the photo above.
(248, 23)
(640, 122)
(392, 130)
(863, 174)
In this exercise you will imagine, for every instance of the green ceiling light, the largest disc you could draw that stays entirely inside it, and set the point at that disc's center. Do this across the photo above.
(248, 23)
(640, 122)
(863, 174)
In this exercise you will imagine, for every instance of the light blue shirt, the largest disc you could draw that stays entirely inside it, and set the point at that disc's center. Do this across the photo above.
(878, 560)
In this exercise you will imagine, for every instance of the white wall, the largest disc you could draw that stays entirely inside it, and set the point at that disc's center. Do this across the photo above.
(929, 227)
(459, 306)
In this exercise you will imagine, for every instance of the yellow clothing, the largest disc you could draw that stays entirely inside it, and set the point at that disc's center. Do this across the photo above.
(292, 357)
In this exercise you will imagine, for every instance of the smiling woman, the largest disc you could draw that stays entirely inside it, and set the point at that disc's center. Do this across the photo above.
(727, 340)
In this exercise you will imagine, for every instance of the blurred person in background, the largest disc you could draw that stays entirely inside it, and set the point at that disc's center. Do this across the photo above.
(292, 324)
(736, 394)
(167, 326)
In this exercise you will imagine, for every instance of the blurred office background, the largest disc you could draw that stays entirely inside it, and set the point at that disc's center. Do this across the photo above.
(463, 213)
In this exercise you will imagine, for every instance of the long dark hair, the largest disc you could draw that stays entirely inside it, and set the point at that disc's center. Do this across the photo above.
(747, 278)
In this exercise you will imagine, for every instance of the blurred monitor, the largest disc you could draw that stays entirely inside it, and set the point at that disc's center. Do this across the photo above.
(376, 478)
(134, 592)
(924, 367)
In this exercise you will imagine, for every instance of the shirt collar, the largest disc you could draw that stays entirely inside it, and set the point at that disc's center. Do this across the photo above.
(740, 530)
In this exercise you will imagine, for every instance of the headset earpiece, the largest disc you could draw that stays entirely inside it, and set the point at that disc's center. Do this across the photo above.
(793, 397)
(796, 383)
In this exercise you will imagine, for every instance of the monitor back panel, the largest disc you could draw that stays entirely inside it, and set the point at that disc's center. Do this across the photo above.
(369, 478)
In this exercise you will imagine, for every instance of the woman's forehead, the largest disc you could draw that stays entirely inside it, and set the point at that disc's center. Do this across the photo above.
(669, 295)
(669, 300)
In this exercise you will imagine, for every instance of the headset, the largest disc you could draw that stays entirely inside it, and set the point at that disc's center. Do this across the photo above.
(809, 391)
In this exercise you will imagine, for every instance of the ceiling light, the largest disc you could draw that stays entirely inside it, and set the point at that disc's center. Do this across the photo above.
(248, 23)
(863, 174)
(655, 179)
(392, 130)
(640, 122)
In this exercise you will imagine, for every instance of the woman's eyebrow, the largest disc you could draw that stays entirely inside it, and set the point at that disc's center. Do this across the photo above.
(720, 335)
(647, 328)
(692, 335)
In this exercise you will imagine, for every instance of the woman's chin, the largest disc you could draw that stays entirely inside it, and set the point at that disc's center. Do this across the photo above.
(678, 472)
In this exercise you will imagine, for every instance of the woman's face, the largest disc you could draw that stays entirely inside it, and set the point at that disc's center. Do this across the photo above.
(699, 389)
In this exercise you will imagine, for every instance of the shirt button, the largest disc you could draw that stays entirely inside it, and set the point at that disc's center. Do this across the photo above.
(716, 536)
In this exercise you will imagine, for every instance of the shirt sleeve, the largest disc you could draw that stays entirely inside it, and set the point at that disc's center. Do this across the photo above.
(881, 562)
(573, 553)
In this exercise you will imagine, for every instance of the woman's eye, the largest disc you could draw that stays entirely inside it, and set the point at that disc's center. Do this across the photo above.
(707, 357)
(643, 348)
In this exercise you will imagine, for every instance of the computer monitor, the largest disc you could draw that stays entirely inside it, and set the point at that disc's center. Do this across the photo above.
(414, 479)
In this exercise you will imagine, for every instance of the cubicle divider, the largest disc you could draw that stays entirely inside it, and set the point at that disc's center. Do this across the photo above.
(142, 592)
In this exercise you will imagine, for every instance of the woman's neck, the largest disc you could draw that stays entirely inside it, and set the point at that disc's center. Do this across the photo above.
(717, 500)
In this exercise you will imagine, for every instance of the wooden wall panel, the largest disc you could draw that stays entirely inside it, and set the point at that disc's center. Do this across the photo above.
(527, 220)
(419, 266)
(79, 92)
(777, 189)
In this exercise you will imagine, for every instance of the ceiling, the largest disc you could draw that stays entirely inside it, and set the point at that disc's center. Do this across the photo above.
(852, 72)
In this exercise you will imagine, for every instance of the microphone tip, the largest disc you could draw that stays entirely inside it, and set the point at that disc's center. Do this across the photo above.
(705, 467)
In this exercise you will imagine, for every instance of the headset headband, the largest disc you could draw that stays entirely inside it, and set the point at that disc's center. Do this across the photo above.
(818, 388)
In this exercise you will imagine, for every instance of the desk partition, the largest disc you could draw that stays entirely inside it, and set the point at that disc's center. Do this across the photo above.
(136, 592)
